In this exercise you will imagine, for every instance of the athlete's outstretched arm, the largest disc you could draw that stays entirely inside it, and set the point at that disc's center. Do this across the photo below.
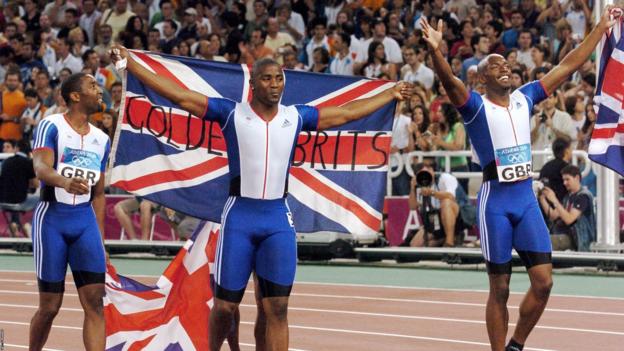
(188, 100)
(575, 59)
(455, 89)
(332, 116)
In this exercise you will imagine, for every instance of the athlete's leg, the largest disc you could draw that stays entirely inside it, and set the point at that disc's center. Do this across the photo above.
(88, 263)
(123, 211)
(276, 262)
(233, 265)
(448, 213)
(534, 301)
(49, 305)
(93, 331)
(532, 242)
(496, 243)
(50, 254)
(260, 327)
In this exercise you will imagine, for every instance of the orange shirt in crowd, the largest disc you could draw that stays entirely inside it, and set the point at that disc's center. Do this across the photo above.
(13, 104)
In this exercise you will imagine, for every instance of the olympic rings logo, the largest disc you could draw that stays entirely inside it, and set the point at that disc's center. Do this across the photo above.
(516, 158)
(80, 161)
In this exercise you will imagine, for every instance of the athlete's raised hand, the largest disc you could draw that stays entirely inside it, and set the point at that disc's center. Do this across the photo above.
(609, 17)
(118, 53)
(431, 35)
(403, 90)
(76, 186)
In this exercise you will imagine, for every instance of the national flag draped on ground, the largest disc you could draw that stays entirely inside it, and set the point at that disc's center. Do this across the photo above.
(171, 315)
(607, 141)
(167, 156)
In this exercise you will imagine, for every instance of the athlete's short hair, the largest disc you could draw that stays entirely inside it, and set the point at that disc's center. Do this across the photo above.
(71, 85)
(260, 65)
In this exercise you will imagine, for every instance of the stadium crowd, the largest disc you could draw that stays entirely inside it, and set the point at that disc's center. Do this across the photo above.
(42, 43)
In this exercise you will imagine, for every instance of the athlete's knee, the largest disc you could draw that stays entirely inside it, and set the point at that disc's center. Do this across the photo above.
(49, 310)
(276, 308)
(224, 308)
(499, 291)
(542, 287)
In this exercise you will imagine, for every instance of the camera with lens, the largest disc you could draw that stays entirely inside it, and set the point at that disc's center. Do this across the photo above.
(424, 179)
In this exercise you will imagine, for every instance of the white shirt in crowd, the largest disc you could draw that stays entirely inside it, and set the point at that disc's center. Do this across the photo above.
(400, 135)
(423, 74)
(313, 45)
(88, 23)
(343, 66)
(71, 62)
(391, 48)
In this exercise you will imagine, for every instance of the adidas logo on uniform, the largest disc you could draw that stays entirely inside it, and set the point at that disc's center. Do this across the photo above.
(286, 123)
(95, 142)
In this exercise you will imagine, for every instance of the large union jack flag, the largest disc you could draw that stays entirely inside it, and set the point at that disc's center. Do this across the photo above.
(338, 177)
(607, 142)
(170, 315)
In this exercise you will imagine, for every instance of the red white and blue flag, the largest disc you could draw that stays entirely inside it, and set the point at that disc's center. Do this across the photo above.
(338, 178)
(607, 141)
(170, 315)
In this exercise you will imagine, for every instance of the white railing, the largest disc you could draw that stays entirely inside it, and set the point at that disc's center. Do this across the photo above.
(407, 159)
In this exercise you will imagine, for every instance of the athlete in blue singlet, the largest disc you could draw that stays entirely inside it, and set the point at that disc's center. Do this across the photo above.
(70, 157)
(257, 228)
(509, 215)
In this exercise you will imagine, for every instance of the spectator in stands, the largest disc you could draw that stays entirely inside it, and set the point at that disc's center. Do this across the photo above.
(166, 14)
(169, 29)
(7, 58)
(550, 174)
(440, 98)
(65, 59)
(584, 136)
(414, 69)
(43, 88)
(419, 134)
(493, 30)
(550, 124)
(16, 178)
(391, 47)
(525, 39)
(116, 94)
(437, 204)
(109, 124)
(291, 62)
(510, 36)
(256, 49)
(566, 41)
(291, 22)
(319, 39)
(209, 50)
(55, 10)
(31, 17)
(32, 114)
(481, 48)
(578, 14)
(540, 54)
(260, 20)
(124, 210)
(276, 39)
(103, 76)
(452, 137)
(29, 62)
(377, 64)
(13, 105)
(59, 105)
(71, 22)
(87, 21)
(189, 28)
(135, 28)
(117, 17)
(342, 63)
(463, 46)
(574, 217)
(105, 40)
(320, 61)
(517, 79)
(530, 12)
(77, 37)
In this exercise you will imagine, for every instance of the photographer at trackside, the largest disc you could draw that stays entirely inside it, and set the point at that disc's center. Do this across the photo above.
(435, 199)
(574, 219)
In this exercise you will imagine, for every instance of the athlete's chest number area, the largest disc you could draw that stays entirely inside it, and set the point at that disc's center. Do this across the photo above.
(513, 163)
(80, 164)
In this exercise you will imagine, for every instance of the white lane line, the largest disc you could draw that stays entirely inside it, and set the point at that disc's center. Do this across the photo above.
(31, 293)
(440, 319)
(53, 325)
(10, 305)
(442, 302)
(413, 337)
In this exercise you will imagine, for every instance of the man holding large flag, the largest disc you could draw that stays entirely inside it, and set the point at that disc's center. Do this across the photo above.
(257, 228)
(498, 126)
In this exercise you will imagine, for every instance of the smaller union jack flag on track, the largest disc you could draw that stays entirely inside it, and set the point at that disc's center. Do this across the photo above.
(170, 315)
(338, 178)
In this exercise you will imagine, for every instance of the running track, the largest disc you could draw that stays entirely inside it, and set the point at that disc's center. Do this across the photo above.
(359, 317)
